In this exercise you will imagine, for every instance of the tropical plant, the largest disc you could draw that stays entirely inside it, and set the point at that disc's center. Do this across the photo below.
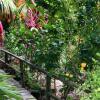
(6, 90)
(70, 38)
(90, 89)
(7, 7)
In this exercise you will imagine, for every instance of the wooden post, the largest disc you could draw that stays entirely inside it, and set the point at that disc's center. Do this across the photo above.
(48, 87)
(6, 58)
(22, 73)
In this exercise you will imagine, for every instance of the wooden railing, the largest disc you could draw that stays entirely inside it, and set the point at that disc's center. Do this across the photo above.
(34, 67)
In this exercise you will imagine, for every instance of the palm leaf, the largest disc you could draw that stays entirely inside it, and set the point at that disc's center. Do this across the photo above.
(7, 7)
(8, 90)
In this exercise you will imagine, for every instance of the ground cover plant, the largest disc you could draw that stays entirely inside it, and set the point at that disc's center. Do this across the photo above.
(7, 91)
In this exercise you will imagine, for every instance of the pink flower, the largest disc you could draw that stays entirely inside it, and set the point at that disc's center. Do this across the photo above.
(32, 18)
(1, 28)
(1, 34)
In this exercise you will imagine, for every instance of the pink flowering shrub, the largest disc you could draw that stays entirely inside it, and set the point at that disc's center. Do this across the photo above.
(32, 19)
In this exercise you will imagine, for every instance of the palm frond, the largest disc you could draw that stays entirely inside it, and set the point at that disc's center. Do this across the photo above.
(6, 89)
(7, 7)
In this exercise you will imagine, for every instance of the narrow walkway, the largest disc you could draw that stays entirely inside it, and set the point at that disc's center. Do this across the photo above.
(23, 92)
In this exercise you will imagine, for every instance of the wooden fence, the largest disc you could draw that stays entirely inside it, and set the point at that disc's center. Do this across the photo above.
(48, 78)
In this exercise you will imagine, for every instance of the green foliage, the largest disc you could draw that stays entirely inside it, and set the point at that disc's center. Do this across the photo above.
(90, 90)
(6, 90)
(70, 37)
